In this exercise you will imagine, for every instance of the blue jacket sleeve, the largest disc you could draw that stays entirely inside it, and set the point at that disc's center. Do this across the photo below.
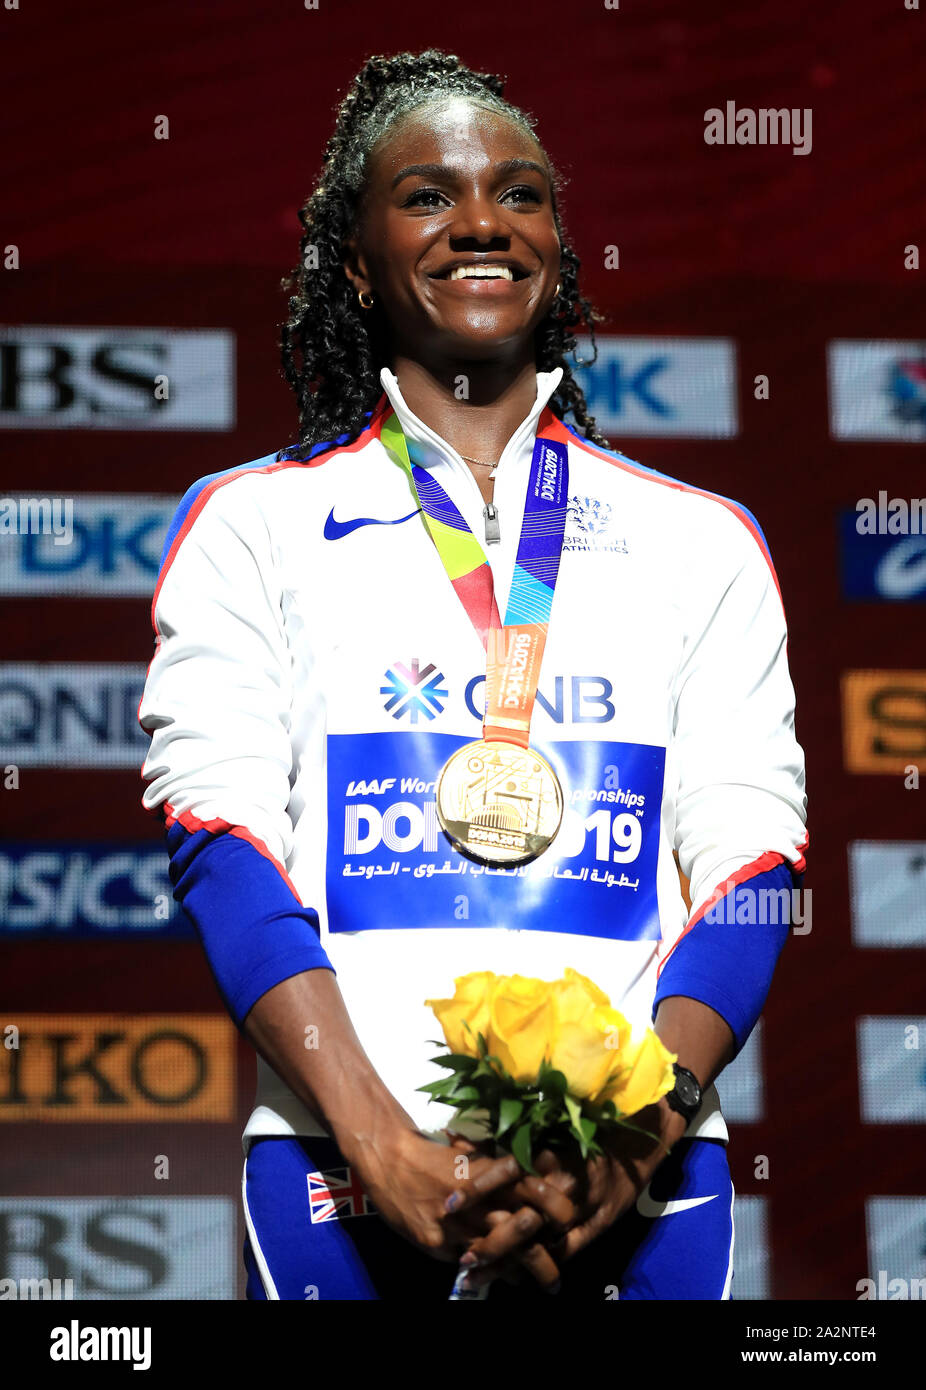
(253, 928)
(727, 957)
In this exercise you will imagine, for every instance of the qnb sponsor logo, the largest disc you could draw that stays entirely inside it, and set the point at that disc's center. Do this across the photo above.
(36, 1288)
(115, 549)
(684, 387)
(79, 715)
(413, 691)
(576, 699)
(746, 125)
(38, 516)
(116, 378)
(77, 1343)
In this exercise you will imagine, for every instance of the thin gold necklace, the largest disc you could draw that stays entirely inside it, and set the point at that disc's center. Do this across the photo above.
(482, 463)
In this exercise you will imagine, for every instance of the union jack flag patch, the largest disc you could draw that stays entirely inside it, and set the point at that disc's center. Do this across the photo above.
(335, 1194)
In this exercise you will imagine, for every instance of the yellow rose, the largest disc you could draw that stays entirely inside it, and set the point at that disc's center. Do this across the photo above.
(584, 1025)
(573, 982)
(469, 1004)
(645, 1074)
(587, 1040)
(520, 1024)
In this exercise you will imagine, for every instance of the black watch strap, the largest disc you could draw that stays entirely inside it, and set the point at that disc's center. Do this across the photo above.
(686, 1096)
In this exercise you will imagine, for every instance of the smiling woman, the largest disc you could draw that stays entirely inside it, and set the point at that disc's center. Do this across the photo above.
(328, 619)
(433, 244)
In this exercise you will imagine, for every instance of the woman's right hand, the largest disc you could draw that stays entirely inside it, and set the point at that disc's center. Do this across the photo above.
(408, 1176)
(410, 1179)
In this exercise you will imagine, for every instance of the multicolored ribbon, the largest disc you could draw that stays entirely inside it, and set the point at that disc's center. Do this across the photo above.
(514, 650)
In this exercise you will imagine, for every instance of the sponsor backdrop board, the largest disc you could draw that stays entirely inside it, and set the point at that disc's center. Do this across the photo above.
(105, 1248)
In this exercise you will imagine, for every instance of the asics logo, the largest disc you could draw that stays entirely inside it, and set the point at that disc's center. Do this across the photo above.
(335, 530)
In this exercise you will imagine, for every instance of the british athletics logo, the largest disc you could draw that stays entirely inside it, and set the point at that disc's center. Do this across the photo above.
(412, 691)
(335, 1194)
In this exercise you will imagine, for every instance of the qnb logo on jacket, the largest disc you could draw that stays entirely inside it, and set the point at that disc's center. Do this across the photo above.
(413, 691)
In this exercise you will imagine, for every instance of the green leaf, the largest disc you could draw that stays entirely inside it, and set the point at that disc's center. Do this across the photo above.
(509, 1112)
(552, 1083)
(442, 1087)
(573, 1109)
(458, 1060)
(467, 1093)
(521, 1147)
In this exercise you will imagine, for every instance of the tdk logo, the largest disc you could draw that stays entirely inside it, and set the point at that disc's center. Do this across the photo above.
(412, 691)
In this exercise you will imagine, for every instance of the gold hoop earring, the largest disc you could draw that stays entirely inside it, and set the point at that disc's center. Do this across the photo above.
(363, 303)
(558, 287)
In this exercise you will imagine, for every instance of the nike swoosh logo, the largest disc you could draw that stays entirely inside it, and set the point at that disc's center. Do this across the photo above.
(646, 1206)
(335, 530)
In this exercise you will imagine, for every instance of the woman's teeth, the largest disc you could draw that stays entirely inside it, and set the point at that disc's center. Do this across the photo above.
(481, 272)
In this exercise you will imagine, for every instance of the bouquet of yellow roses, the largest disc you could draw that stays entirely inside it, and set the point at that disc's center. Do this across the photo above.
(545, 1062)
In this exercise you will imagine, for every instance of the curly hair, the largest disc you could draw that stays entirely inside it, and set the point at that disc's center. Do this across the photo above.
(331, 352)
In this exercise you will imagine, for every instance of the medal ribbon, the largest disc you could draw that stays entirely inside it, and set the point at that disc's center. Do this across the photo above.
(514, 650)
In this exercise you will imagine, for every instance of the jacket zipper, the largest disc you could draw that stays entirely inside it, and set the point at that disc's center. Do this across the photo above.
(493, 532)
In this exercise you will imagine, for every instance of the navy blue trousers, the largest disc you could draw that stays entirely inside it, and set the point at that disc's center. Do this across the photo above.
(313, 1235)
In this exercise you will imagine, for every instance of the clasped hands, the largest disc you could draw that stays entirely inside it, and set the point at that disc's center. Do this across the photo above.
(508, 1222)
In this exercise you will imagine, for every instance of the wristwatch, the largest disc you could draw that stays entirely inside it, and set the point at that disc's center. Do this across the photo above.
(685, 1098)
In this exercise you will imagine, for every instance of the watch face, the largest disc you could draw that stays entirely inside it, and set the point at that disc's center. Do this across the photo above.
(689, 1092)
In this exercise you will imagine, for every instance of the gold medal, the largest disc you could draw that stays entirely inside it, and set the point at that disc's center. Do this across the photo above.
(499, 803)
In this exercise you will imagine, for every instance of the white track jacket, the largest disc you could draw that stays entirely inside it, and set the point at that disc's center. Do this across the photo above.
(314, 669)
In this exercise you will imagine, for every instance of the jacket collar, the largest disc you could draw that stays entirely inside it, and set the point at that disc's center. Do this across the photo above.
(427, 448)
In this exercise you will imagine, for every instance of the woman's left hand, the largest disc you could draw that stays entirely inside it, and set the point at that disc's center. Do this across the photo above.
(602, 1189)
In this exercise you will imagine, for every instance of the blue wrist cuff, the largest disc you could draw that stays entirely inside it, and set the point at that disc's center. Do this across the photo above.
(252, 927)
(727, 959)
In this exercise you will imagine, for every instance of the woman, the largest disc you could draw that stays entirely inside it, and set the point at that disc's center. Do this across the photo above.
(324, 621)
